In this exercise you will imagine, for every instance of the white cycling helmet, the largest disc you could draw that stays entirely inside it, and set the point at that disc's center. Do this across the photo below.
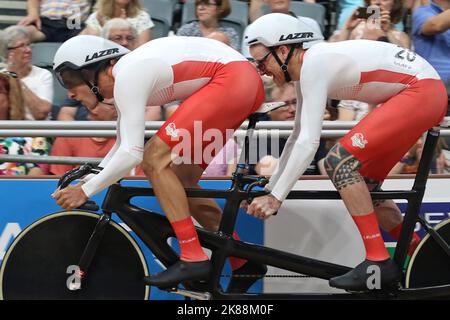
(275, 29)
(82, 53)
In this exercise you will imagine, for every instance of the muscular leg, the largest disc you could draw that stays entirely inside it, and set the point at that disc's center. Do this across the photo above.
(194, 263)
(388, 214)
(206, 211)
(391, 219)
(342, 168)
(168, 188)
(354, 189)
(172, 198)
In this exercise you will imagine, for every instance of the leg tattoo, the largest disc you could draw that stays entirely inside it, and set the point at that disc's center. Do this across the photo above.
(375, 185)
(342, 167)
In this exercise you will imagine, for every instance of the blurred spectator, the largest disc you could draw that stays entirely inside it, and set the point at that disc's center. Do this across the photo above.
(346, 8)
(131, 10)
(55, 20)
(410, 162)
(11, 108)
(414, 4)
(120, 31)
(36, 83)
(276, 6)
(209, 13)
(70, 110)
(86, 146)
(431, 35)
(379, 26)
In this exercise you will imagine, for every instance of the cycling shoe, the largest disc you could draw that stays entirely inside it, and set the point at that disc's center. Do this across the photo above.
(242, 284)
(179, 272)
(369, 275)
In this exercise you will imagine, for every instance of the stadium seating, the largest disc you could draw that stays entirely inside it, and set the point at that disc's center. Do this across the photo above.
(11, 12)
(237, 19)
(161, 12)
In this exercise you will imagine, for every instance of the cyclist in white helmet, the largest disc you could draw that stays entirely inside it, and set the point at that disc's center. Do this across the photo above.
(412, 99)
(219, 89)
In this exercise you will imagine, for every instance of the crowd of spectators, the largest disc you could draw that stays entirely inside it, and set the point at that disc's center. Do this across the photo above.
(26, 90)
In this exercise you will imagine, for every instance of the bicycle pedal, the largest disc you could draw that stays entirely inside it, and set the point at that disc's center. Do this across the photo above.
(191, 294)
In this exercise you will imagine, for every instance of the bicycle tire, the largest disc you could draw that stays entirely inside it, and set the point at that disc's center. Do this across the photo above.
(35, 265)
(430, 265)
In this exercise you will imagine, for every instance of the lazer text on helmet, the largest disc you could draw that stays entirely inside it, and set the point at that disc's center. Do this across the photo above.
(101, 53)
(297, 35)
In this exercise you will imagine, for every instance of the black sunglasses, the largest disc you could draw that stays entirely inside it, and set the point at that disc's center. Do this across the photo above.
(260, 63)
(207, 3)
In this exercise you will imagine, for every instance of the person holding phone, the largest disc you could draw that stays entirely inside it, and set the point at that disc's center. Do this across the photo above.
(375, 21)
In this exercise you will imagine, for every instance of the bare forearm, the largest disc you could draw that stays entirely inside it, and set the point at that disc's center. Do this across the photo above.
(255, 9)
(395, 38)
(437, 24)
(344, 34)
(38, 107)
(33, 7)
(67, 114)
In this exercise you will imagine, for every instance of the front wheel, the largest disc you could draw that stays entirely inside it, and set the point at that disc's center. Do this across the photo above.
(41, 262)
(430, 264)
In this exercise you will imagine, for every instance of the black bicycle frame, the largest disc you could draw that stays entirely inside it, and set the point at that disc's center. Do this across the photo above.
(154, 230)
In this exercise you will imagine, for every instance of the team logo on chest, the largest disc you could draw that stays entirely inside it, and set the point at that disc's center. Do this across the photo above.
(359, 141)
(171, 130)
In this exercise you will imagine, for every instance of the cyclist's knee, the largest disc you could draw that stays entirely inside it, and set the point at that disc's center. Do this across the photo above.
(157, 156)
(342, 167)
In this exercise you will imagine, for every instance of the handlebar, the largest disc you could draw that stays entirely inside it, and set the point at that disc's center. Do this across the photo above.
(258, 181)
(73, 175)
(78, 173)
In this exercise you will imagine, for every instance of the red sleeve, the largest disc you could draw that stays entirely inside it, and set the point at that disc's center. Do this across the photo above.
(61, 147)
